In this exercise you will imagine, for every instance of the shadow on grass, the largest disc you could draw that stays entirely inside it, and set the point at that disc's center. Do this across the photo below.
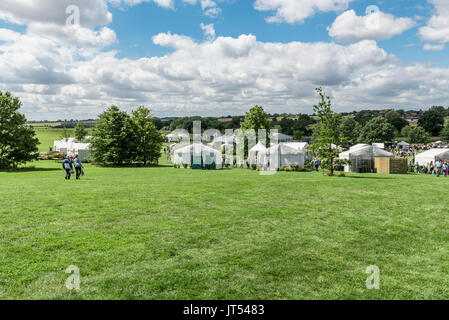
(365, 177)
(30, 169)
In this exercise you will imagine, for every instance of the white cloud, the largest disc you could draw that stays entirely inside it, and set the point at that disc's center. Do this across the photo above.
(209, 31)
(221, 76)
(437, 28)
(436, 47)
(209, 7)
(92, 12)
(375, 26)
(292, 11)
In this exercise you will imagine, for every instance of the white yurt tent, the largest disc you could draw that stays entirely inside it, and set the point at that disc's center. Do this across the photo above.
(282, 155)
(256, 155)
(362, 158)
(198, 156)
(433, 155)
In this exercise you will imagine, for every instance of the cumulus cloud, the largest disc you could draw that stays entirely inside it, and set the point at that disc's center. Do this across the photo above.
(68, 72)
(292, 11)
(437, 28)
(373, 26)
(222, 76)
(92, 12)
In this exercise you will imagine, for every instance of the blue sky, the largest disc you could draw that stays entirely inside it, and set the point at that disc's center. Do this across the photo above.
(135, 26)
(268, 52)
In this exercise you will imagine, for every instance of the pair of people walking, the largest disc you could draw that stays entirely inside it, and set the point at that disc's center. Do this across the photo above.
(68, 165)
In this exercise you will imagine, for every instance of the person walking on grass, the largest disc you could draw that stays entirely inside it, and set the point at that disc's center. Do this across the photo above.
(67, 165)
(78, 167)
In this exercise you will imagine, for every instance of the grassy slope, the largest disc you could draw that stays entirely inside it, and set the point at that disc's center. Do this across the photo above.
(167, 233)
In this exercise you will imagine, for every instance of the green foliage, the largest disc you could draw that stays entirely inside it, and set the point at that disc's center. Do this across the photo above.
(256, 119)
(148, 138)
(290, 126)
(445, 132)
(113, 140)
(415, 135)
(377, 130)
(65, 133)
(18, 143)
(80, 132)
(298, 135)
(393, 118)
(327, 133)
(432, 120)
(350, 129)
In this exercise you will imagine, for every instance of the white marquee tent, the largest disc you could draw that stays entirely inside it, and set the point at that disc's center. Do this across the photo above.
(282, 155)
(282, 137)
(362, 157)
(256, 155)
(71, 146)
(197, 156)
(433, 155)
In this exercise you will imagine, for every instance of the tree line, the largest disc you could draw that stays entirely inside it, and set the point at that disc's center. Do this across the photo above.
(120, 138)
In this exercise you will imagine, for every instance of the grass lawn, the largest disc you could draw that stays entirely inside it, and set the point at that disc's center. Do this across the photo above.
(164, 233)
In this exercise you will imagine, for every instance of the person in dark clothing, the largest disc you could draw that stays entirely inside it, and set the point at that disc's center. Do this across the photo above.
(78, 167)
(68, 167)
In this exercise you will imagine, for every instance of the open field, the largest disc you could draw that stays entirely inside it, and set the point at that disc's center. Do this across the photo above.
(47, 136)
(164, 233)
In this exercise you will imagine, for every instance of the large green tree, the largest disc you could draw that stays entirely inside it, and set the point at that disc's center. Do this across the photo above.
(377, 130)
(327, 134)
(18, 143)
(350, 129)
(149, 140)
(393, 117)
(113, 140)
(445, 132)
(432, 120)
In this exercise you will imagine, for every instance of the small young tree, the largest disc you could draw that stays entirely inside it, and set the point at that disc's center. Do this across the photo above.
(327, 134)
(65, 133)
(149, 140)
(255, 119)
(113, 141)
(80, 132)
(18, 143)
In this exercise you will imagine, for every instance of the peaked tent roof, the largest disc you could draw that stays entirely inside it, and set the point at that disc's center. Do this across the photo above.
(259, 147)
(283, 149)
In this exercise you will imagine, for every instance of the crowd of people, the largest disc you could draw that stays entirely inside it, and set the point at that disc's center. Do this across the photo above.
(439, 168)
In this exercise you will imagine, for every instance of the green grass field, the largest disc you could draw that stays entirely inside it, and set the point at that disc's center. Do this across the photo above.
(47, 137)
(164, 233)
